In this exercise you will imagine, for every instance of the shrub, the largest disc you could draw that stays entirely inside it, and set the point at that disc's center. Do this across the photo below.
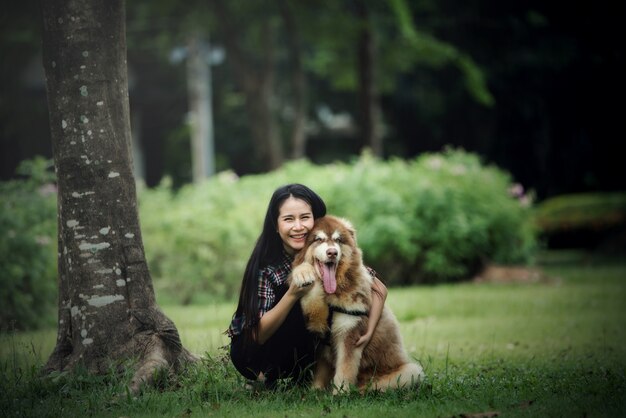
(584, 220)
(28, 247)
(593, 211)
(439, 217)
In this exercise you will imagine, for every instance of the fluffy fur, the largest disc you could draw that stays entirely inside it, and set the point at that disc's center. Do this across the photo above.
(332, 256)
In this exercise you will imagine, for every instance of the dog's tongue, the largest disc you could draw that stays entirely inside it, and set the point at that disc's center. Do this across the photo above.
(328, 277)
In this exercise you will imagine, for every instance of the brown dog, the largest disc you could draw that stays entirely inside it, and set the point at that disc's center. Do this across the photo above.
(337, 309)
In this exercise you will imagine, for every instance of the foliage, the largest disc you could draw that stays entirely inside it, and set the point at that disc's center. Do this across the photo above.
(429, 49)
(553, 348)
(401, 47)
(436, 218)
(593, 211)
(28, 247)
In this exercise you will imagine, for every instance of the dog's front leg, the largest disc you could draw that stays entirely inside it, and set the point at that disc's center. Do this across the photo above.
(323, 369)
(303, 274)
(315, 310)
(348, 359)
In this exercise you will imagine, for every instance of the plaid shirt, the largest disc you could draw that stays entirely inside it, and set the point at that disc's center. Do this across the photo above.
(271, 278)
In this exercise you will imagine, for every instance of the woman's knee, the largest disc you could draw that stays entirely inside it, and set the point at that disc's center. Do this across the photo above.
(243, 359)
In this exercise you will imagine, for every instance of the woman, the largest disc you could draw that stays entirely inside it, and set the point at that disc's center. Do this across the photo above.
(269, 339)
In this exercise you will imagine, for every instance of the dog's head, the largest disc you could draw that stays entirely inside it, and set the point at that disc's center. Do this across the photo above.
(331, 248)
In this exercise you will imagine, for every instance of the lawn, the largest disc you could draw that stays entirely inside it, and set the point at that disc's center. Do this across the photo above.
(555, 347)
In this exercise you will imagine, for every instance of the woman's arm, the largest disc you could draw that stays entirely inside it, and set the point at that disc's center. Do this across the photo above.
(379, 295)
(274, 318)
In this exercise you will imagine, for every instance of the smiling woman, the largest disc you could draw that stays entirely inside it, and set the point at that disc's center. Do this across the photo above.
(295, 220)
(268, 337)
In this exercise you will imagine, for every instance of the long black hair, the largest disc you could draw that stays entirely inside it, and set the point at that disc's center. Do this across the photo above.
(269, 249)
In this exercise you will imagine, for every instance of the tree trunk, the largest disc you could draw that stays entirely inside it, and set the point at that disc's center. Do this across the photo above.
(369, 101)
(107, 309)
(200, 109)
(256, 80)
(298, 81)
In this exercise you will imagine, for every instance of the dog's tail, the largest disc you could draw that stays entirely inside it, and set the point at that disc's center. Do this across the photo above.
(408, 375)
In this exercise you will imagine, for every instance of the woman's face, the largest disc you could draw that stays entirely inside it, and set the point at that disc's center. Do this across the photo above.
(295, 220)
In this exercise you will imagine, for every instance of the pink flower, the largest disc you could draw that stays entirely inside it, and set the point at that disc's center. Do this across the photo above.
(516, 190)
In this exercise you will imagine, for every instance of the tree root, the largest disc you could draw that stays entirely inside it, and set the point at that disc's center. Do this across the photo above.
(161, 348)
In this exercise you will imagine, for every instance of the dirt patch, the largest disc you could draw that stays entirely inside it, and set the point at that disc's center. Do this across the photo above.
(511, 274)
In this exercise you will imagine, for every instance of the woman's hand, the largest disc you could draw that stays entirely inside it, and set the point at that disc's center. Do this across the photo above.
(364, 340)
(379, 295)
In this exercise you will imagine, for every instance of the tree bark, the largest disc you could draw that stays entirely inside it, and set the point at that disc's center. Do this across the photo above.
(107, 309)
(369, 100)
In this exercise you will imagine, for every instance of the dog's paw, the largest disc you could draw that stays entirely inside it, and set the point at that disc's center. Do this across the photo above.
(340, 390)
(303, 275)
(318, 385)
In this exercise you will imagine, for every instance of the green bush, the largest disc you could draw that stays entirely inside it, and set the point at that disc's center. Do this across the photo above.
(592, 221)
(437, 218)
(591, 211)
(28, 247)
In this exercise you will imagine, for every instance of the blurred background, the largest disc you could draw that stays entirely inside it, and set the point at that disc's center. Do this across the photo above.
(487, 129)
(532, 86)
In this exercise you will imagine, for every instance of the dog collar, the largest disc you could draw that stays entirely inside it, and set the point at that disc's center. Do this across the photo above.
(331, 310)
(347, 312)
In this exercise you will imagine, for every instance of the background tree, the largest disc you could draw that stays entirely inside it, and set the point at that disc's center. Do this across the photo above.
(552, 77)
(254, 70)
(298, 77)
(365, 49)
(107, 309)
(369, 100)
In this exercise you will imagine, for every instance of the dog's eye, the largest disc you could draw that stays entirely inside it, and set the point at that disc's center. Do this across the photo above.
(339, 240)
(318, 239)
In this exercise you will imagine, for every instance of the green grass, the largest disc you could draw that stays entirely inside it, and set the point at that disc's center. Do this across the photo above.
(554, 348)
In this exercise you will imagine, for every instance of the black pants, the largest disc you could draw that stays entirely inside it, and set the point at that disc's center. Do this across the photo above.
(289, 353)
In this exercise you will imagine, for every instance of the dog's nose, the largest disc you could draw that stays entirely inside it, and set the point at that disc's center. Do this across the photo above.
(331, 253)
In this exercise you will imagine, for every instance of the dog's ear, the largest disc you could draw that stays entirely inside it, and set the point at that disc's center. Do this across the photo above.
(349, 227)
